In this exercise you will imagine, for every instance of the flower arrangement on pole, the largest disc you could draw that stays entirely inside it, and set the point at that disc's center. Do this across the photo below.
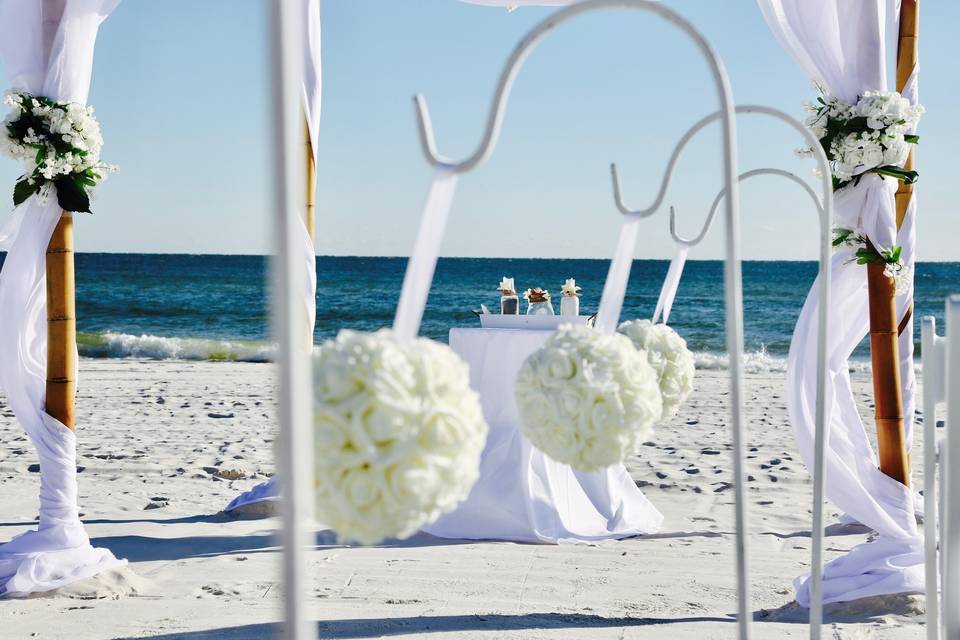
(869, 137)
(58, 144)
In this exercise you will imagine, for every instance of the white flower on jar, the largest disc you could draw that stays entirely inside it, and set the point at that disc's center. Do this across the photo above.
(570, 288)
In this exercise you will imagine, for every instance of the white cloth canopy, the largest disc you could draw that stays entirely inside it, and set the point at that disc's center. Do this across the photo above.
(47, 48)
(842, 45)
(311, 95)
(523, 495)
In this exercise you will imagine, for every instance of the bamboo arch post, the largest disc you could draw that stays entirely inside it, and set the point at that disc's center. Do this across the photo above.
(885, 326)
(732, 267)
(311, 164)
(61, 385)
(824, 206)
(309, 214)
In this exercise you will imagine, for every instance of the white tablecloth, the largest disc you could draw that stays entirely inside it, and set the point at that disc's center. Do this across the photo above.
(522, 495)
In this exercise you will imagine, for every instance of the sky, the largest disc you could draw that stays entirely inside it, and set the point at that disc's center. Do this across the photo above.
(180, 88)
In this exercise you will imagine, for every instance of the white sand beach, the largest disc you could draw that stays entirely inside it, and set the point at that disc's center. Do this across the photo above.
(165, 445)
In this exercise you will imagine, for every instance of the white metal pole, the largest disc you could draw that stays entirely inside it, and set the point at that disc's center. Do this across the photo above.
(933, 372)
(290, 324)
(950, 535)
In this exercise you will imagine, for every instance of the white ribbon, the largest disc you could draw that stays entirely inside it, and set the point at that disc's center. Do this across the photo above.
(423, 260)
(670, 283)
(615, 287)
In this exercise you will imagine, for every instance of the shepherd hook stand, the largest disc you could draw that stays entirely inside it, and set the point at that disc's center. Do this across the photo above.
(824, 206)
(732, 275)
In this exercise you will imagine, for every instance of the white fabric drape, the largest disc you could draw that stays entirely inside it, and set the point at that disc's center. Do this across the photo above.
(668, 292)
(841, 44)
(311, 93)
(47, 48)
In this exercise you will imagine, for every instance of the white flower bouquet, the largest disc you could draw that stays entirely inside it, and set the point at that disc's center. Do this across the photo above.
(398, 434)
(669, 356)
(586, 398)
(59, 145)
(871, 136)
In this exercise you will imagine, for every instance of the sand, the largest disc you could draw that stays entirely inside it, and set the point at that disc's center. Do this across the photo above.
(165, 445)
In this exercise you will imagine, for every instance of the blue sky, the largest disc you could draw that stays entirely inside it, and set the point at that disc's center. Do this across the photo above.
(180, 88)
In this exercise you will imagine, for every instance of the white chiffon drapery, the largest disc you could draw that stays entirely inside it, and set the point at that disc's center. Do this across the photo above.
(47, 49)
(842, 45)
(311, 93)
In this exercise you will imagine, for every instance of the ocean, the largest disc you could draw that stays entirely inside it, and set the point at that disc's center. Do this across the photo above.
(206, 307)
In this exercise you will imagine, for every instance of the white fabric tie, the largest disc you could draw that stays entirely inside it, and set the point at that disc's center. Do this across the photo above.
(423, 260)
(670, 283)
(618, 276)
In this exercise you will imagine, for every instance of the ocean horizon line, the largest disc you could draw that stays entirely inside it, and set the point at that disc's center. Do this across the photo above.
(398, 257)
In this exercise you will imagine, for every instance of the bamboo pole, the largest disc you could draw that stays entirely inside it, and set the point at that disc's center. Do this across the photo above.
(309, 213)
(61, 324)
(311, 183)
(885, 327)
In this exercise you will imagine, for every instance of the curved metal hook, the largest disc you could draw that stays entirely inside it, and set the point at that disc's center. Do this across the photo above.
(692, 242)
(691, 132)
(825, 209)
(733, 297)
(515, 62)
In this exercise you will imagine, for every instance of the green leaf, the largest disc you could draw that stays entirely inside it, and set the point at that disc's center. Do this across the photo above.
(903, 175)
(24, 190)
(912, 139)
(71, 196)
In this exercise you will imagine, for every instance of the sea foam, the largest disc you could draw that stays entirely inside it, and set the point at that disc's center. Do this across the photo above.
(123, 345)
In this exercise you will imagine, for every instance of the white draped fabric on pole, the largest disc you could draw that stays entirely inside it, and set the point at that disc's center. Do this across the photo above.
(311, 97)
(842, 45)
(47, 49)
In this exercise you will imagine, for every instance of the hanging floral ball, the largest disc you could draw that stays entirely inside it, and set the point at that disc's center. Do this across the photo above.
(669, 356)
(586, 398)
(398, 434)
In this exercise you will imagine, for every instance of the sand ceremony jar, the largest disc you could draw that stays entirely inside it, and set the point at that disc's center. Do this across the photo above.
(509, 301)
(538, 302)
(570, 302)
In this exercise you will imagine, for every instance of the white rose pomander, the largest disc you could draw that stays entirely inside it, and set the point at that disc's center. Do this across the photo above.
(669, 356)
(398, 434)
(586, 398)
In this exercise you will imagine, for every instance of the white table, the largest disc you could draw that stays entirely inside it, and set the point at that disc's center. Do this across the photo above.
(522, 495)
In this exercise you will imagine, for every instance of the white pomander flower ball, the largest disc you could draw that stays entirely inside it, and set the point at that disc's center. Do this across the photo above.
(398, 434)
(586, 398)
(669, 356)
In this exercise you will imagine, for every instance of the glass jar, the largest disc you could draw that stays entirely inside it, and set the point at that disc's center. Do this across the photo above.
(544, 308)
(510, 304)
(570, 306)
